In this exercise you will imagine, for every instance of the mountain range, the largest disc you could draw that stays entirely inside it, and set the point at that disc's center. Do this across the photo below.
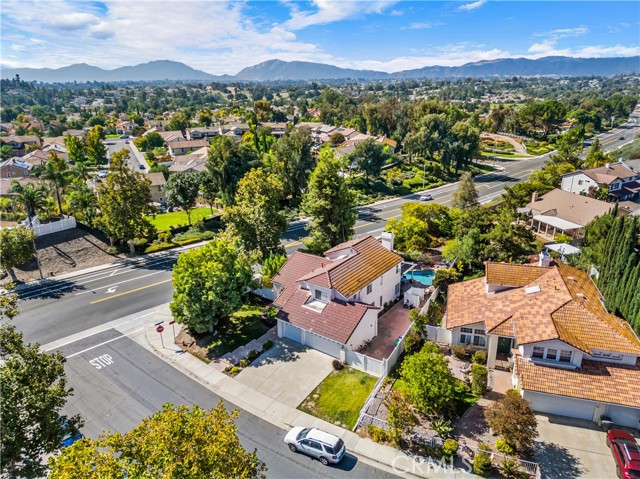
(278, 70)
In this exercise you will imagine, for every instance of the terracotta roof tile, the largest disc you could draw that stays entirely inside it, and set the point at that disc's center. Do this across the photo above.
(594, 380)
(507, 274)
(297, 266)
(505, 328)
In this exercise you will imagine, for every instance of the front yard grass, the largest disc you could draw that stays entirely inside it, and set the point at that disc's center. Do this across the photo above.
(237, 330)
(166, 221)
(339, 398)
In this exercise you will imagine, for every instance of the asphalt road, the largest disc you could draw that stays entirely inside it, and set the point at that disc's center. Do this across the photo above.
(66, 307)
(116, 144)
(117, 383)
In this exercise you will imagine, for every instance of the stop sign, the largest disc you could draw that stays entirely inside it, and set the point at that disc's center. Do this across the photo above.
(160, 329)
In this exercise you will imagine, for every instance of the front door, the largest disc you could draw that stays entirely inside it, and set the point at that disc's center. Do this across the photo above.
(504, 345)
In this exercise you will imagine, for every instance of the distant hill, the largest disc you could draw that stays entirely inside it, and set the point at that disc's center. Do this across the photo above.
(278, 70)
(153, 71)
(275, 70)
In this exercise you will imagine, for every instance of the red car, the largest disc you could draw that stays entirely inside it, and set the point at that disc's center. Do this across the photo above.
(626, 452)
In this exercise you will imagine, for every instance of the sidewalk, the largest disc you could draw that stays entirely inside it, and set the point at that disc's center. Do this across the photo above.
(280, 414)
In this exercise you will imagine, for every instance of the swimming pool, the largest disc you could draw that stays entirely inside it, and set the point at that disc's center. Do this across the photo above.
(425, 276)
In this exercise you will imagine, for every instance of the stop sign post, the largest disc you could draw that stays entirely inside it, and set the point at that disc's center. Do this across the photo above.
(173, 326)
(159, 329)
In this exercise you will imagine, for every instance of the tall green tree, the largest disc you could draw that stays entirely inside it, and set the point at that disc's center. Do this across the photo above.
(430, 386)
(96, 151)
(209, 284)
(177, 442)
(17, 248)
(6, 152)
(124, 200)
(32, 198)
(178, 122)
(569, 147)
(330, 204)
(257, 218)
(34, 392)
(182, 190)
(370, 157)
(595, 156)
(466, 196)
(228, 161)
(513, 419)
(293, 161)
(75, 148)
(57, 173)
(82, 201)
(510, 241)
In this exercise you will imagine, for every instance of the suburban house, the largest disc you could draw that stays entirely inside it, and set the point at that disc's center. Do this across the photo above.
(570, 356)
(331, 303)
(190, 163)
(15, 168)
(169, 136)
(234, 130)
(559, 211)
(203, 133)
(125, 126)
(277, 129)
(622, 180)
(20, 143)
(157, 187)
(183, 147)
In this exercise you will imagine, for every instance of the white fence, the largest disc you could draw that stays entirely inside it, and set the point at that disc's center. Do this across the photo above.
(267, 293)
(511, 135)
(42, 229)
(432, 298)
(438, 334)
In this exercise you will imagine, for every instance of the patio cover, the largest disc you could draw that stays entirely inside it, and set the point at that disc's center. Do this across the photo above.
(556, 222)
(563, 248)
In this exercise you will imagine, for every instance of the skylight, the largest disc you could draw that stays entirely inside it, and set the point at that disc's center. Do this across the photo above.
(532, 289)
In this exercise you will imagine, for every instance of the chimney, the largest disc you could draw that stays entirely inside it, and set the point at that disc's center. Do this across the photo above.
(608, 166)
(534, 196)
(544, 259)
(387, 239)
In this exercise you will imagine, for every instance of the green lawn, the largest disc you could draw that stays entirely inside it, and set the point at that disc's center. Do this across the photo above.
(240, 328)
(502, 155)
(340, 397)
(114, 135)
(165, 221)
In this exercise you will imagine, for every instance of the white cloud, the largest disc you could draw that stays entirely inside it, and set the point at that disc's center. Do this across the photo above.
(560, 33)
(613, 51)
(423, 25)
(329, 11)
(71, 21)
(467, 7)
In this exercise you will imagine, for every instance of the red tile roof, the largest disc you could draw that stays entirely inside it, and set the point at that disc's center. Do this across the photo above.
(594, 380)
(298, 265)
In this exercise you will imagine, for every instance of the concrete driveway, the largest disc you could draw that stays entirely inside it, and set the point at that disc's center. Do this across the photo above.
(572, 448)
(287, 372)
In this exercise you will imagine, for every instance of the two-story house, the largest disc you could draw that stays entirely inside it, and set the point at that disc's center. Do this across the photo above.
(203, 133)
(331, 303)
(570, 356)
(622, 179)
(20, 144)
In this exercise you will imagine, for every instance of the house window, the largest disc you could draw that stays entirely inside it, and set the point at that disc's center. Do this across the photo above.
(538, 352)
(381, 301)
(466, 330)
(552, 354)
(565, 356)
(471, 336)
(397, 289)
(397, 268)
(321, 295)
(479, 341)
(381, 279)
(579, 182)
(369, 288)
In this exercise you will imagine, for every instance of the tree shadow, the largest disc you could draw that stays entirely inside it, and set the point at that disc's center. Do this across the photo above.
(556, 461)
(281, 352)
(369, 213)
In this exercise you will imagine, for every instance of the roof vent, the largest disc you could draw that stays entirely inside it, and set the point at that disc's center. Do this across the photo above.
(581, 296)
(532, 289)
(571, 278)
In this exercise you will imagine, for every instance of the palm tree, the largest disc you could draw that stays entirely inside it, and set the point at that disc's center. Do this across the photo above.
(32, 198)
(58, 174)
(82, 201)
(80, 171)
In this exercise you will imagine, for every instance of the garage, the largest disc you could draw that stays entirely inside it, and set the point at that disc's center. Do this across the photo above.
(293, 333)
(560, 405)
(322, 344)
(624, 416)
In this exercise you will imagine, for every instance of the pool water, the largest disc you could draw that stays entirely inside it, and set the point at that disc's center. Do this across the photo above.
(425, 276)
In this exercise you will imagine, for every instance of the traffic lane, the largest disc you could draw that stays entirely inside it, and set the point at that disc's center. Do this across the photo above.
(118, 383)
(46, 322)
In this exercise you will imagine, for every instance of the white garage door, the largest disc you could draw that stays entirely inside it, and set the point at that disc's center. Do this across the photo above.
(323, 345)
(293, 333)
(624, 416)
(560, 405)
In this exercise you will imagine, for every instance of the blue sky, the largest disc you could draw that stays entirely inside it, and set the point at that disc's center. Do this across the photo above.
(223, 37)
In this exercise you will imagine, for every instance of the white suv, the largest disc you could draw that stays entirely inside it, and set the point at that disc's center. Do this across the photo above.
(325, 447)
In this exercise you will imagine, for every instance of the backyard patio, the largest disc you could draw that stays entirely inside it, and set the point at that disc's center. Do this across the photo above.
(392, 325)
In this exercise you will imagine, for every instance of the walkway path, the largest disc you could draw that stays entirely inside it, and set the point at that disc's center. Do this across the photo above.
(520, 149)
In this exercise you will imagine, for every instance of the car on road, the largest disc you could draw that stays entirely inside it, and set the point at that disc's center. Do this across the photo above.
(325, 447)
(626, 453)
(141, 167)
(126, 142)
(69, 437)
(426, 197)
(621, 138)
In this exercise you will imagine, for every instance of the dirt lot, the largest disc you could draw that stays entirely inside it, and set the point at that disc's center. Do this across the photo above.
(64, 252)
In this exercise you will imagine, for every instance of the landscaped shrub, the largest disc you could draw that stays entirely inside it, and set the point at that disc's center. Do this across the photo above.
(479, 379)
(232, 370)
(253, 355)
(244, 362)
(268, 344)
(441, 426)
(337, 365)
(377, 434)
(459, 351)
(505, 447)
(510, 469)
(482, 464)
(480, 357)
(159, 247)
(450, 447)
(413, 342)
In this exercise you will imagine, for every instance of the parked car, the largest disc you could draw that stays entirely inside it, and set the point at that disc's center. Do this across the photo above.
(69, 438)
(325, 447)
(621, 138)
(141, 166)
(426, 197)
(126, 142)
(626, 453)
